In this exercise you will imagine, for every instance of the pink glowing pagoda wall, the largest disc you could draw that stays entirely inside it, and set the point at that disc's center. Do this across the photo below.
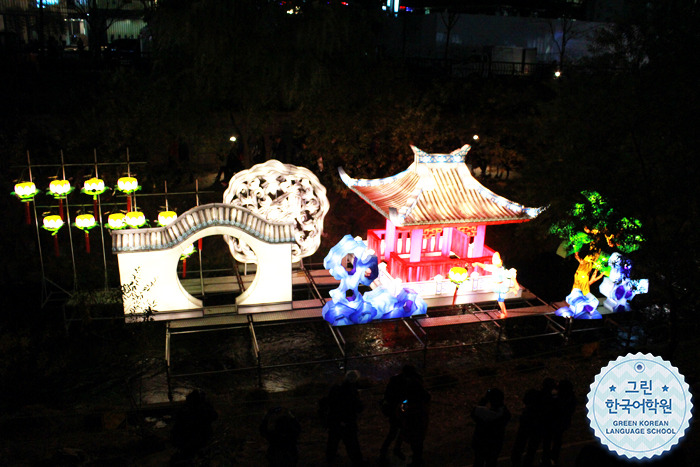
(421, 254)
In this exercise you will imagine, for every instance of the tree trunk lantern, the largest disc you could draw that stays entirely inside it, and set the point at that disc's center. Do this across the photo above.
(85, 222)
(26, 191)
(128, 185)
(94, 186)
(60, 189)
(53, 224)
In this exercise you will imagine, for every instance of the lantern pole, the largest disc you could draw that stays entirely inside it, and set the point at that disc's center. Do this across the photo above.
(44, 290)
(70, 233)
(102, 230)
(199, 242)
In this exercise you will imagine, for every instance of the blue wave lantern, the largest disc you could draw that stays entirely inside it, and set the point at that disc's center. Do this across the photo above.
(618, 287)
(347, 305)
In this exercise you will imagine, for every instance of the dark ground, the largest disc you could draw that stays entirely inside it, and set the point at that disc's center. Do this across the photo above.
(95, 410)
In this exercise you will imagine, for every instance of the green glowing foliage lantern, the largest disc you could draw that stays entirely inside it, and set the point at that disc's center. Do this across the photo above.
(597, 224)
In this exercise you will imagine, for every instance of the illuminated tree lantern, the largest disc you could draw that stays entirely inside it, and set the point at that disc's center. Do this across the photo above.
(189, 251)
(53, 224)
(166, 218)
(85, 222)
(128, 185)
(95, 187)
(135, 219)
(457, 275)
(60, 189)
(116, 221)
(26, 191)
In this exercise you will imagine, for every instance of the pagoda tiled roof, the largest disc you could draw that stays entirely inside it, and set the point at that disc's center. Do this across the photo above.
(437, 189)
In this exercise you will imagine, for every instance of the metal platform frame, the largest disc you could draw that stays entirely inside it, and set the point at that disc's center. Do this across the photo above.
(528, 305)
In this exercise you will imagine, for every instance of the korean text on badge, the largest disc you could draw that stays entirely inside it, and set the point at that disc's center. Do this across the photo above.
(639, 406)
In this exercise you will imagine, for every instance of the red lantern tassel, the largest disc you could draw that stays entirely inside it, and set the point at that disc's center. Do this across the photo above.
(55, 245)
(128, 203)
(28, 213)
(184, 268)
(454, 297)
(199, 244)
(87, 242)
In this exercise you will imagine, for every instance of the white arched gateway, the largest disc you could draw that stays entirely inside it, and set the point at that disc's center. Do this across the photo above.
(148, 257)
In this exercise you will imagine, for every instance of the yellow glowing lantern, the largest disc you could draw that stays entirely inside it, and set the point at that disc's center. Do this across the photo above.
(135, 219)
(127, 184)
(166, 218)
(53, 223)
(457, 275)
(60, 188)
(85, 222)
(94, 186)
(26, 191)
(116, 221)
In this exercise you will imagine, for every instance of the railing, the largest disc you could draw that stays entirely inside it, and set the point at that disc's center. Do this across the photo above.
(428, 268)
(199, 218)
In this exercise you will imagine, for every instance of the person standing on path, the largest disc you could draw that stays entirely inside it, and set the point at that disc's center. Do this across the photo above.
(491, 417)
(344, 406)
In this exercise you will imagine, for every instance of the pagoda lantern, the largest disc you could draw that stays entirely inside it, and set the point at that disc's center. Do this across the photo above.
(85, 222)
(26, 191)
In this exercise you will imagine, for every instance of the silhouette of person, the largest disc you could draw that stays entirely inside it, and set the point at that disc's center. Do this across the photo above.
(526, 426)
(491, 417)
(394, 395)
(344, 406)
(192, 429)
(281, 430)
(414, 417)
(543, 423)
(564, 405)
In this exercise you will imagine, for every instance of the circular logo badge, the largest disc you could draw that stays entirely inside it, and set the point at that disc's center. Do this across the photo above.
(639, 406)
